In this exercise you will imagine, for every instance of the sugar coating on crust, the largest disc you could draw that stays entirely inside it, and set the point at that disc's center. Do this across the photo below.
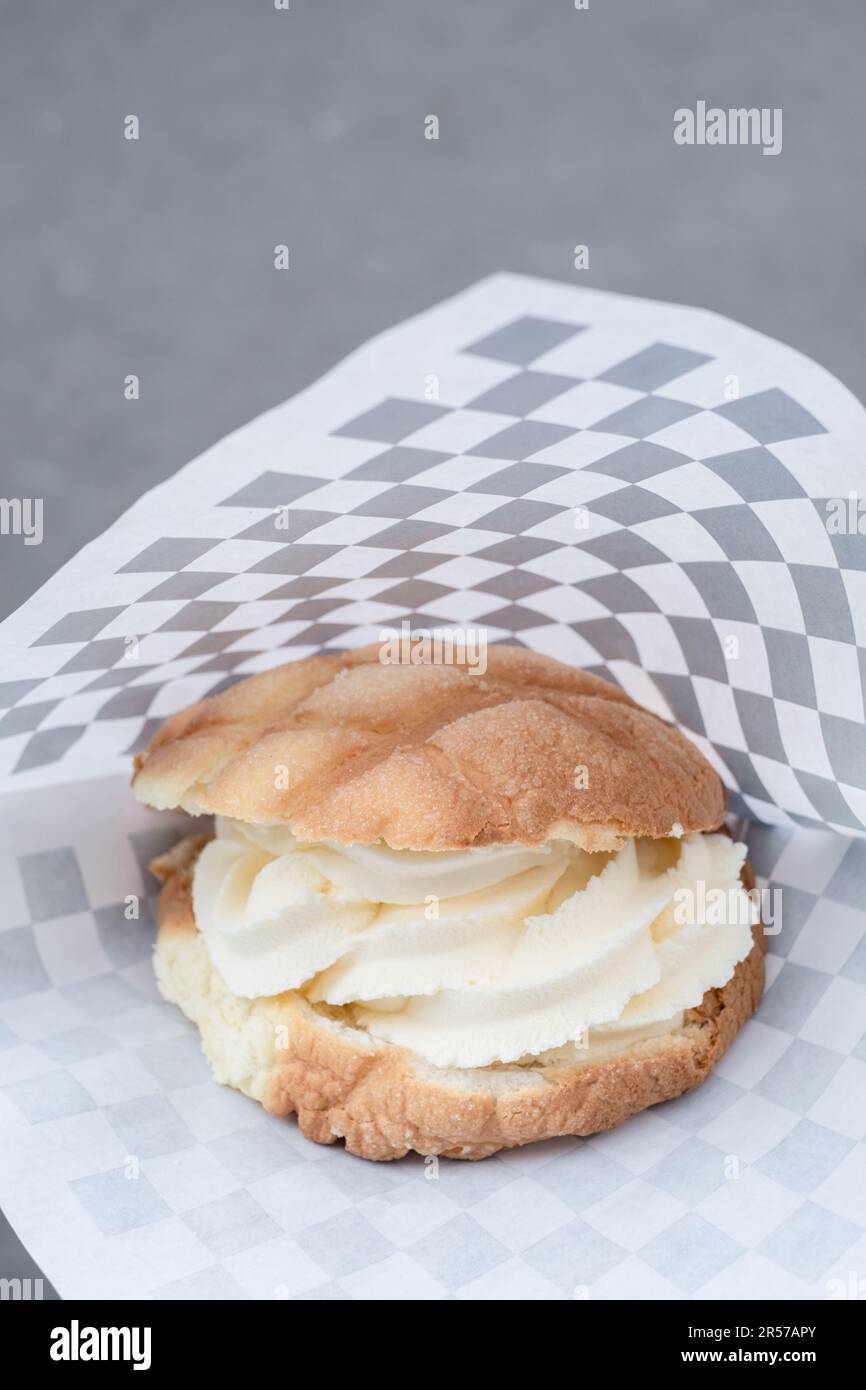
(384, 1101)
(343, 748)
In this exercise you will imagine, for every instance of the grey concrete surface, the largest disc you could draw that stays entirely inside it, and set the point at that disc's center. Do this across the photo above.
(260, 127)
(305, 126)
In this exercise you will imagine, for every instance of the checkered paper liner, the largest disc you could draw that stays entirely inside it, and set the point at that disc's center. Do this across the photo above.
(127, 1172)
(635, 488)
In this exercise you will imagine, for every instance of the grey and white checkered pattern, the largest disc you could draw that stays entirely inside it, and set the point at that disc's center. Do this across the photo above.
(580, 482)
(128, 1172)
(632, 487)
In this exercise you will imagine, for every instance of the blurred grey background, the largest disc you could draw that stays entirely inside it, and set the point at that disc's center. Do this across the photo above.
(260, 126)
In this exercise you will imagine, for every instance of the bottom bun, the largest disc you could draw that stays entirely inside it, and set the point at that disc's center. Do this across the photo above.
(385, 1101)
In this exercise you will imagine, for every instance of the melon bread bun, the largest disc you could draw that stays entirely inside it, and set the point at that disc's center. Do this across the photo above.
(444, 910)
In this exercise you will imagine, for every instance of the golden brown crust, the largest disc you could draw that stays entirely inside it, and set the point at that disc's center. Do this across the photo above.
(384, 1101)
(344, 748)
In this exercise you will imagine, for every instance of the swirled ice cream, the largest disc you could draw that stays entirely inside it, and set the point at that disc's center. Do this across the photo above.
(479, 956)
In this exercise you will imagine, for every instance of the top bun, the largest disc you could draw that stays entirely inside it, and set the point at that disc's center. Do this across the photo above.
(432, 757)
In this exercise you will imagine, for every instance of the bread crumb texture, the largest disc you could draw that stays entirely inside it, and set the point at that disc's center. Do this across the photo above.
(343, 748)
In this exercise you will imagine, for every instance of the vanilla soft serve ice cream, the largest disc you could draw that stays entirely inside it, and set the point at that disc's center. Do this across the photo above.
(476, 956)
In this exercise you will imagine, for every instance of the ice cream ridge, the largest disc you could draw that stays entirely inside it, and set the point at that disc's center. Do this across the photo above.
(477, 956)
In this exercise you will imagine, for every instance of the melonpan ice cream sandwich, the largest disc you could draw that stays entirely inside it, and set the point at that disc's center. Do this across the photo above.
(447, 911)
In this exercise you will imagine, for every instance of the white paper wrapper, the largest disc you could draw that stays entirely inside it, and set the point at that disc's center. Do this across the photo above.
(634, 487)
